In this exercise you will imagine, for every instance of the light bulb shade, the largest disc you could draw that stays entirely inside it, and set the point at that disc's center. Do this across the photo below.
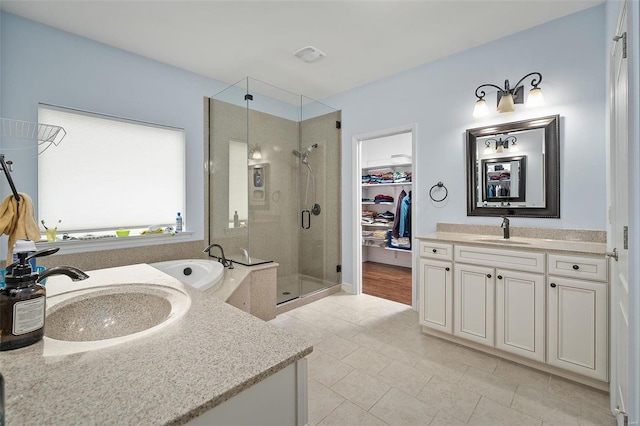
(257, 154)
(480, 109)
(535, 98)
(506, 104)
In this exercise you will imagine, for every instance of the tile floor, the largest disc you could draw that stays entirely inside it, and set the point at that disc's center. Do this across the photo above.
(371, 365)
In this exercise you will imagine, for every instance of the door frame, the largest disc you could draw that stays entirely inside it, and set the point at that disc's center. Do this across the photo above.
(356, 152)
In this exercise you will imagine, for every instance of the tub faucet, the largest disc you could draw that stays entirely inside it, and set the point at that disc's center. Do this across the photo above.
(226, 263)
(505, 227)
(245, 251)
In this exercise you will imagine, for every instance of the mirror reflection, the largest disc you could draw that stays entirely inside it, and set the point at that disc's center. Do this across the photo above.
(513, 169)
(504, 181)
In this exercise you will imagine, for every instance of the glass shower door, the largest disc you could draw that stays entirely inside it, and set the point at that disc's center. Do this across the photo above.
(319, 197)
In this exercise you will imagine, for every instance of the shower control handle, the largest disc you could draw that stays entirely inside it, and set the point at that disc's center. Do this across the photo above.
(308, 214)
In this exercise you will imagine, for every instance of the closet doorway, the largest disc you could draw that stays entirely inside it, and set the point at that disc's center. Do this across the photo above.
(385, 215)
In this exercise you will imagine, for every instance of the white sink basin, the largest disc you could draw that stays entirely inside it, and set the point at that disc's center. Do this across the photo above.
(99, 317)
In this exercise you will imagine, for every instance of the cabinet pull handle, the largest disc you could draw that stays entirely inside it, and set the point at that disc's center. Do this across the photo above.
(435, 251)
(488, 275)
(576, 267)
(447, 269)
(553, 285)
(499, 277)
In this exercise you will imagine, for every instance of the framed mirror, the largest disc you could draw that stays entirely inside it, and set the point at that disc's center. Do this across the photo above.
(513, 169)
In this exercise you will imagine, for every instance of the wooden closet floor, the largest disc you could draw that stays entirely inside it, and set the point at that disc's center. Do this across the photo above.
(387, 281)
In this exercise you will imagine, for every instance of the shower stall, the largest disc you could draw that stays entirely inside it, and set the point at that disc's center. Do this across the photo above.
(274, 184)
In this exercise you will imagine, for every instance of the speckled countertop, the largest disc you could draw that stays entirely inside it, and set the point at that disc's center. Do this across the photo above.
(212, 353)
(567, 241)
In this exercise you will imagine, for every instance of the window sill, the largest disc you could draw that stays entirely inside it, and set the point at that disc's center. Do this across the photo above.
(82, 246)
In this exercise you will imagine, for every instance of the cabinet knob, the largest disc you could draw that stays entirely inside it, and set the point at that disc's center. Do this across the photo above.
(435, 251)
(576, 267)
(499, 277)
(447, 269)
(488, 275)
(553, 285)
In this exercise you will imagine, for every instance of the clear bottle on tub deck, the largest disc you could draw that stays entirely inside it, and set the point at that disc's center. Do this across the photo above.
(179, 223)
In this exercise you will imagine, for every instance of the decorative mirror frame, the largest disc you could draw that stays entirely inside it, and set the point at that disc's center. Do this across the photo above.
(551, 126)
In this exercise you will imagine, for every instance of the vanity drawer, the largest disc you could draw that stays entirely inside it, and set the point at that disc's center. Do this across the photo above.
(590, 268)
(500, 258)
(433, 250)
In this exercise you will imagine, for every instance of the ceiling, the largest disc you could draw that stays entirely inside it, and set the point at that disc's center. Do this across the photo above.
(228, 40)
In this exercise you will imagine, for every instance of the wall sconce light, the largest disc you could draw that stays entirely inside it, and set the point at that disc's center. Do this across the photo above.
(508, 97)
(255, 153)
(500, 143)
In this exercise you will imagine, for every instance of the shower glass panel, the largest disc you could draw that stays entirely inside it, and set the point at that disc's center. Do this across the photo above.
(274, 184)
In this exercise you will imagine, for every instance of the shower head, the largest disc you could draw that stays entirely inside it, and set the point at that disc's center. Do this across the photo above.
(304, 154)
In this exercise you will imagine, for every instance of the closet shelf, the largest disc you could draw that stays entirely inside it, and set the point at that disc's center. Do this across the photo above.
(370, 185)
(389, 166)
(398, 249)
(378, 225)
(373, 203)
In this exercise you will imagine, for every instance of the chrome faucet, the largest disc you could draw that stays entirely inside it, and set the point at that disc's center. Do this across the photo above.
(226, 263)
(505, 227)
(74, 273)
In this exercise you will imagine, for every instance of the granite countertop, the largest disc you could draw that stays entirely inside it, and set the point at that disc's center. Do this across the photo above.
(212, 353)
(564, 241)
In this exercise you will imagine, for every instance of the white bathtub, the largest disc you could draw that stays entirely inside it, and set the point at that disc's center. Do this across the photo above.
(198, 273)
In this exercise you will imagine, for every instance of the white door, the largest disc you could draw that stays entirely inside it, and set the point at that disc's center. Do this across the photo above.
(473, 303)
(436, 304)
(520, 311)
(577, 326)
(619, 218)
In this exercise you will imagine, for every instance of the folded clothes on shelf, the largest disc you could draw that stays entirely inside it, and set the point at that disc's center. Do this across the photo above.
(382, 198)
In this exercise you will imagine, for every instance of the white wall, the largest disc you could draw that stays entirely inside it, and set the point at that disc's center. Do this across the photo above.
(42, 64)
(439, 98)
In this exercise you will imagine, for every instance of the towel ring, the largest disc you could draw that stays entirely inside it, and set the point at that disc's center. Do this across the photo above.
(438, 185)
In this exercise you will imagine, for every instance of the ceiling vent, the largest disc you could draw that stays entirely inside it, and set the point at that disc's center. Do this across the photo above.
(309, 54)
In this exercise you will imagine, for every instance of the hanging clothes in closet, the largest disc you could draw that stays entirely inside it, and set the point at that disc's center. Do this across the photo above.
(396, 221)
(405, 217)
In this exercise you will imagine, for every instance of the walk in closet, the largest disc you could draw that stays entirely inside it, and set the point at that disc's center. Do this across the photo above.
(387, 166)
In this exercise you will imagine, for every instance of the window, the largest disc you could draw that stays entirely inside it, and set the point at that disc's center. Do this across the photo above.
(110, 173)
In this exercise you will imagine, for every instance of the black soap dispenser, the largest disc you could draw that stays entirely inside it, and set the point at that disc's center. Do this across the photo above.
(22, 304)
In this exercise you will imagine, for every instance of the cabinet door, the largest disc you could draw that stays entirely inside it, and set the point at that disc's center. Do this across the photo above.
(520, 313)
(436, 305)
(473, 304)
(577, 326)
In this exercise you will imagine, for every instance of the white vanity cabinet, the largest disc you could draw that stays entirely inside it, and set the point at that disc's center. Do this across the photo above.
(496, 303)
(578, 315)
(520, 303)
(436, 295)
(541, 306)
(473, 303)
(436, 286)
